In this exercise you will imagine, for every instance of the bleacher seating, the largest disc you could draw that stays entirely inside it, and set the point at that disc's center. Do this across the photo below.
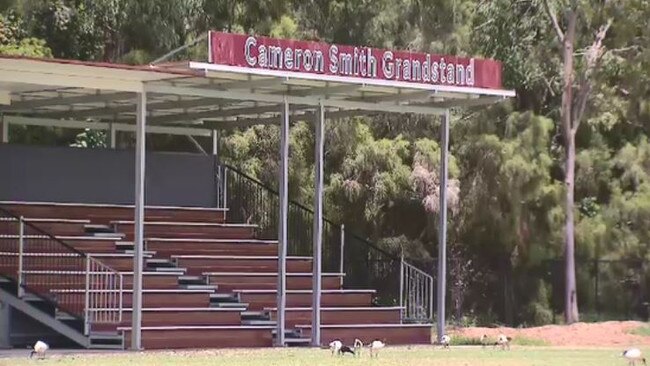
(207, 283)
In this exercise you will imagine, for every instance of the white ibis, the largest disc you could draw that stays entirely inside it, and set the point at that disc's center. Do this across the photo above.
(335, 346)
(39, 349)
(445, 341)
(375, 346)
(634, 355)
(503, 341)
(358, 346)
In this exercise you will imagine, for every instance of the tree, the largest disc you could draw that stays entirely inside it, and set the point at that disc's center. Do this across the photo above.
(574, 103)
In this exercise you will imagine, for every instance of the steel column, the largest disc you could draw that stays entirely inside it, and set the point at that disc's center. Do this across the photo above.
(138, 242)
(21, 252)
(4, 132)
(215, 143)
(319, 125)
(283, 215)
(442, 232)
(342, 253)
(112, 135)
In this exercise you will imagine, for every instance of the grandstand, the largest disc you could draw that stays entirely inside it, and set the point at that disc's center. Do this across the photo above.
(208, 257)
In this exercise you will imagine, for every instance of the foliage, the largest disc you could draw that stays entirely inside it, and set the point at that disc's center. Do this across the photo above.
(382, 171)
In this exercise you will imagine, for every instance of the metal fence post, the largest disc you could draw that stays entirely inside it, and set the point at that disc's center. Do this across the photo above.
(87, 298)
(342, 256)
(121, 294)
(21, 248)
(401, 287)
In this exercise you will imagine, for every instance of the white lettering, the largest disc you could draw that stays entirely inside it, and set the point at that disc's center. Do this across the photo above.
(309, 61)
(387, 65)
(288, 58)
(275, 57)
(334, 60)
(443, 68)
(345, 62)
(450, 73)
(426, 69)
(250, 43)
(371, 64)
(460, 74)
(319, 61)
(406, 75)
(416, 75)
(434, 72)
(261, 56)
(469, 73)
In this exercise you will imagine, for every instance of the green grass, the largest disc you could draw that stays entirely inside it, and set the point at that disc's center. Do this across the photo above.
(457, 340)
(392, 356)
(642, 331)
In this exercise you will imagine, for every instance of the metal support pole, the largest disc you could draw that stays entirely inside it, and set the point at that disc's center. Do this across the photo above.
(21, 250)
(87, 299)
(319, 125)
(138, 242)
(342, 258)
(5, 130)
(215, 143)
(442, 232)
(112, 136)
(401, 287)
(282, 230)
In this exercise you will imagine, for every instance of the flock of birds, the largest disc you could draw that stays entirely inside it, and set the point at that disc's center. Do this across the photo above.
(632, 355)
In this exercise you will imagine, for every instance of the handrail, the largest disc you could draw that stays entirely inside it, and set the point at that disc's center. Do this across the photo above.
(372, 266)
(23, 262)
(48, 235)
(310, 211)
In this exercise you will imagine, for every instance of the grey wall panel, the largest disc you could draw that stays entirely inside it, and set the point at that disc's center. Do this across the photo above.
(60, 174)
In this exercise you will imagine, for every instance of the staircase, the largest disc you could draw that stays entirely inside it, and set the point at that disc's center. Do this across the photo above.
(207, 282)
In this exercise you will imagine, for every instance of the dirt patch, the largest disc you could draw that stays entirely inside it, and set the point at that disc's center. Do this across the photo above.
(579, 334)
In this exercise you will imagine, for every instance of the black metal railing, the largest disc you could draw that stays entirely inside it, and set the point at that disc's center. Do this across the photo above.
(365, 265)
(42, 265)
(250, 201)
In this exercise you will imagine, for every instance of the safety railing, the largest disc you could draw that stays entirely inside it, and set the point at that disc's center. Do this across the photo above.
(368, 266)
(416, 293)
(46, 267)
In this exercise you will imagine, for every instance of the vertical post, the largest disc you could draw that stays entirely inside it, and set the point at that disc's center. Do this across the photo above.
(282, 229)
(120, 299)
(318, 226)
(21, 249)
(215, 143)
(5, 130)
(136, 319)
(87, 299)
(342, 258)
(112, 135)
(442, 232)
(5, 325)
(401, 287)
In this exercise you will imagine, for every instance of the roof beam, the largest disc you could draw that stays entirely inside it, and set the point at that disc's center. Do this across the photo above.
(71, 81)
(74, 124)
(77, 99)
(311, 101)
(112, 110)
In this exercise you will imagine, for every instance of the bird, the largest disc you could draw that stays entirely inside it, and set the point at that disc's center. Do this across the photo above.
(39, 348)
(484, 340)
(445, 341)
(346, 349)
(633, 355)
(503, 341)
(375, 346)
(358, 346)
(335, 346)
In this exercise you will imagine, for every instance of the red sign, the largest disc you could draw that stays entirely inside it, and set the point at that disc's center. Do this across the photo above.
(352, 61)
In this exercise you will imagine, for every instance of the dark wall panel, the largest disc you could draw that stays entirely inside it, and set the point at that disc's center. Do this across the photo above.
(60, 174)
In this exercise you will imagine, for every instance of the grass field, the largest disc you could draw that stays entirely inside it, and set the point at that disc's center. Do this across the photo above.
(393, 356)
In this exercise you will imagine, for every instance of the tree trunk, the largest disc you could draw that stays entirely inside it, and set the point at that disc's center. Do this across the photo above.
(569, 130)
(571, 299)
